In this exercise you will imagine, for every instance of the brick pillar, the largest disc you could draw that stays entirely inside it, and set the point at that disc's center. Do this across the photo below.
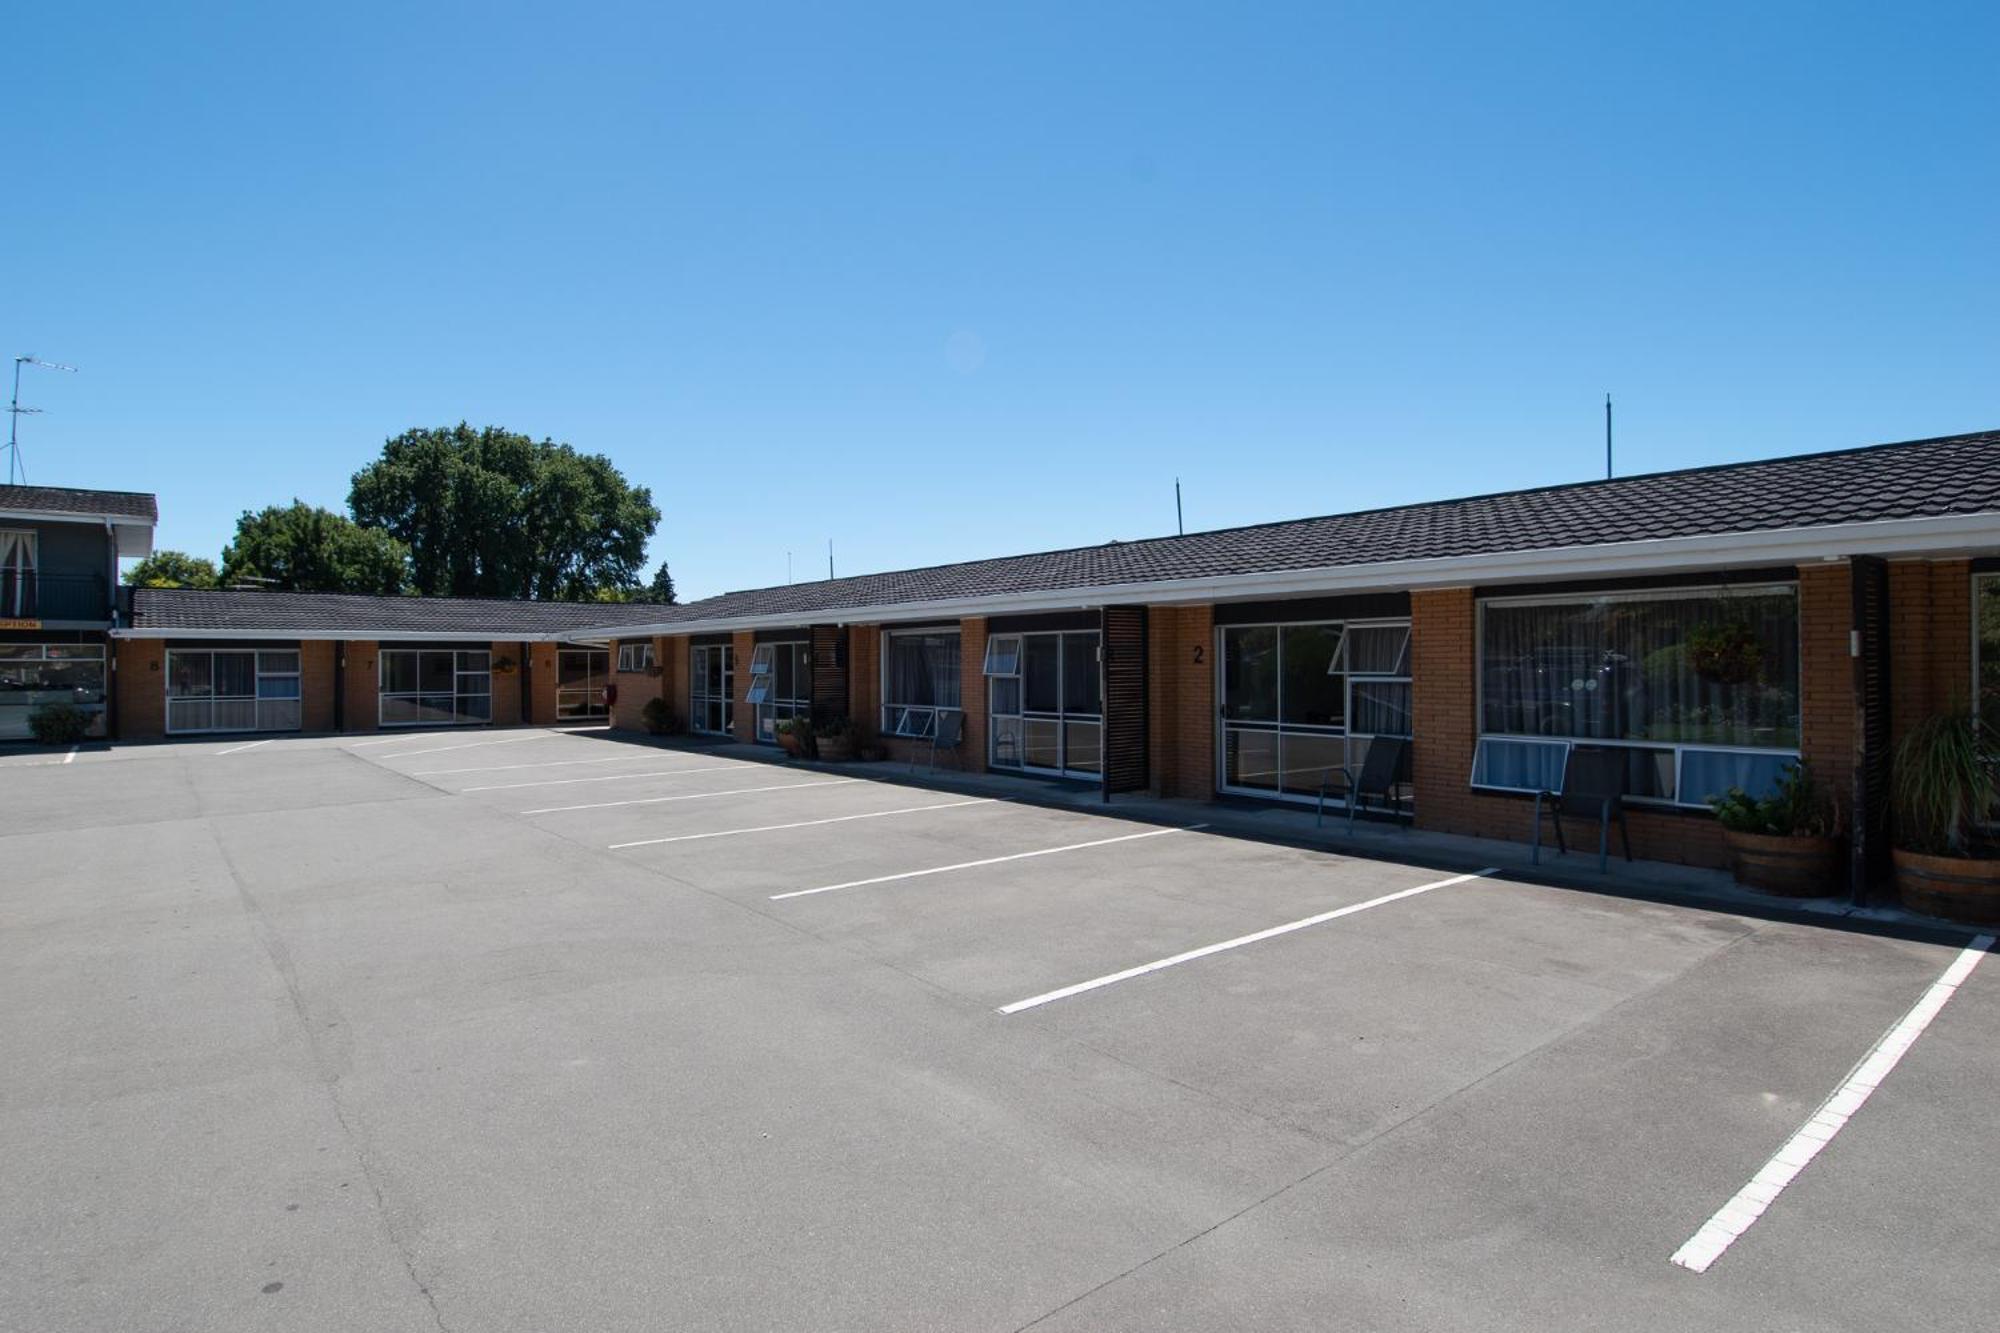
(864, 675)
(1826, 674)
(364, 691)
(1442, 658)
(316, 684)
(1181, 685)
(141, 682)
(742, 644)
(972, 691)
(676, 685)
(506, 686)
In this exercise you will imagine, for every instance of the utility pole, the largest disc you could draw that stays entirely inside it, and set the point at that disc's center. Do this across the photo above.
(15, 411)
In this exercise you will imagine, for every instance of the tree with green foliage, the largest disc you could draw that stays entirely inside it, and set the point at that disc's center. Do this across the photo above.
(492, 513)
(173, 569)
(661, 589)
(302, 548)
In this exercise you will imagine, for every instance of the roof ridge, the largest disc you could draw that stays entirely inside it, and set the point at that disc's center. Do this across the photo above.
(1979, 436)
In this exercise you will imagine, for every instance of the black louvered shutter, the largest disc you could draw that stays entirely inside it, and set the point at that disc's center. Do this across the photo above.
(1126, 725)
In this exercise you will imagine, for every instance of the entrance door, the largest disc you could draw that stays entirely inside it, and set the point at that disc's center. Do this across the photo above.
(580, 677)
(780, 685)
(232, 689)
(711, 709)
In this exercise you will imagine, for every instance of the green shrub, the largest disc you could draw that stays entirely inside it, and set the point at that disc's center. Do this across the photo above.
(658, 718)
(59, 724)
(1799, 808)
(834, 727)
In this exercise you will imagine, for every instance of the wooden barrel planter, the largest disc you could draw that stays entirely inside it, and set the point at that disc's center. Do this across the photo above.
(836, 749)
(1793, 867)
(1957, 888)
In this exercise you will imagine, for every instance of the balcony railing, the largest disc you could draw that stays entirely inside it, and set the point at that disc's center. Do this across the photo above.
(54, 597)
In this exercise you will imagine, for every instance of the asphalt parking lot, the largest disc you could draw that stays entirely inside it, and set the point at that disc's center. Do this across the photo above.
(537, 1030)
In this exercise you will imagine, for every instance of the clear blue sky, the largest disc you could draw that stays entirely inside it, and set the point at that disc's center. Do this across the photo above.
(942, 282)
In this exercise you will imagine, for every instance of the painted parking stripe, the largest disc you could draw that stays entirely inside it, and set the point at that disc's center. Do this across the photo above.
(989, 861)
(1737, 1216)
(614, 777)
(1097, 983)
(804, 823)
(470, 745)
(540, 763)
(236, 749)
(692, 796)
(71, 756)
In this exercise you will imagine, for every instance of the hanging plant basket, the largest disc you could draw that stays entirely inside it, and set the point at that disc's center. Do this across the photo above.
(1726, 654)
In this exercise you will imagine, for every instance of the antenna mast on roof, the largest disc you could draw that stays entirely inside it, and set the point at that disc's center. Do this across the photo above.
(1180, 526)
(1607, 437)
(829, 558)
(16, 411)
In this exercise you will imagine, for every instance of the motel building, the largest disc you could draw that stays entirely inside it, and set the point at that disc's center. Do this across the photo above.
(1705, 628)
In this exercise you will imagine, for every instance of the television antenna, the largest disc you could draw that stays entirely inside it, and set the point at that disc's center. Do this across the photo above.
(15, 412)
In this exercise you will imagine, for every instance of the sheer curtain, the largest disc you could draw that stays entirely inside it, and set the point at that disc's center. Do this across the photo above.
(1711, 669)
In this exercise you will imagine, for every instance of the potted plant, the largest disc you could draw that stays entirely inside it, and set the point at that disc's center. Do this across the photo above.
(658, 718)
(1944, 786)
(795, 736)
(834, 739)
(1786, 843)
(58, 724)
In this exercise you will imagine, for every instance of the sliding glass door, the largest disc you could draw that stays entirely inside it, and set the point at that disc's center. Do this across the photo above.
(436, 687)
(711, 709)
(580, 677)
(780, 685)
(1045, 700)
(1299, 702)
(232, 689)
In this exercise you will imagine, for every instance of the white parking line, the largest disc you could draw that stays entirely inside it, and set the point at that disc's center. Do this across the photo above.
(471, 745)
(71, 756)
(989, 861)
(804, 823)
(614, 777)
(1736, 1217)
(544, 763)
(239, 749)
(691, 796)
(1049, 997)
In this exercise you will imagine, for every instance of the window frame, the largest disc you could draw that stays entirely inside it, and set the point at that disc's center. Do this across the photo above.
(463, 669)
(647, 657)
(1004, 726)
(925, 726)
(1276, 724)
(699, 695)
(1680, 749)
(772, 707)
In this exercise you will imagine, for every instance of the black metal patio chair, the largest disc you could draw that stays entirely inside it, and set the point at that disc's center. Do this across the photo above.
(1593, 787)
(947, 733)
(1381, 778)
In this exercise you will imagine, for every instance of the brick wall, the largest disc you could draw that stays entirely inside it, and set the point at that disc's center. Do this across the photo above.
(675, 683)
(1181, 700)
(972, 691)
(363, 687)
(542, 679)
(1930, 639)
(634, 689)
(864, 675)
(141, 683)
(1443, 665)
(1826, 674)
(316, 657)
(506, 686)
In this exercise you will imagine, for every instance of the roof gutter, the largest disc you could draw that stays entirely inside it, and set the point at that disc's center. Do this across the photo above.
(375, 635)
(1949, 534)
(71, 516)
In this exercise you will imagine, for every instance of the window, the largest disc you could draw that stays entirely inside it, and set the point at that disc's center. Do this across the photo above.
(711, 682)
(636, 656)
(780, 684)
(919, 679)
(1986, 655)
(1045, 701)
(232, 689)
(35, 674)
(435, 687)
(1699, 686)
(17, 573)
